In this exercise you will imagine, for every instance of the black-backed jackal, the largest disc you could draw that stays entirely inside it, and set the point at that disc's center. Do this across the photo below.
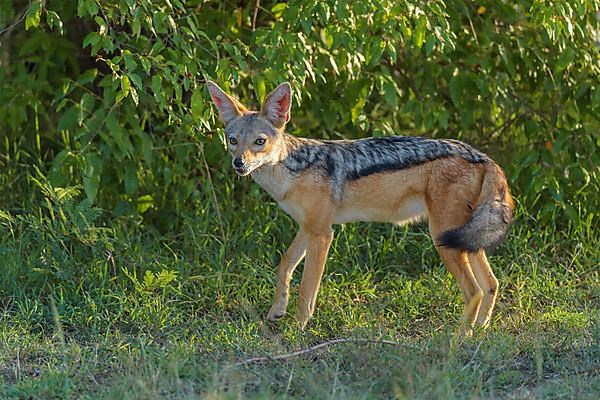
(460, 191)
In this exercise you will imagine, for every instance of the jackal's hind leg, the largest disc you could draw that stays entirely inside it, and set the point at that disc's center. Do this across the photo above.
(457, 262)
(488, 283)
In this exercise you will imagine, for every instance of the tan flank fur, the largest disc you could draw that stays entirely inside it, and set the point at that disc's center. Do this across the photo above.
(461, 192)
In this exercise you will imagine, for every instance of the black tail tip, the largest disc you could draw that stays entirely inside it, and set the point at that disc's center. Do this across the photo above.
(455, 239)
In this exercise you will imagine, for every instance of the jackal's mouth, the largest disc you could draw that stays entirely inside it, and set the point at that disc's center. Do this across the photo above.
(243, 171)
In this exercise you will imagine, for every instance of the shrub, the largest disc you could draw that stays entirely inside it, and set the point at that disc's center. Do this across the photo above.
(109, 95)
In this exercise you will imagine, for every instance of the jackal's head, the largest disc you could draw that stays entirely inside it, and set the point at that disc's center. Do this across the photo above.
(253, 138)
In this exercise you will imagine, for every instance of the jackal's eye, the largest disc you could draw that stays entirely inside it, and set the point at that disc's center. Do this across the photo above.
(232, 141)
(260, 141)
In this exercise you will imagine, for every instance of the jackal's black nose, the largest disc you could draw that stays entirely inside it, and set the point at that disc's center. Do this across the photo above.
(238, 162)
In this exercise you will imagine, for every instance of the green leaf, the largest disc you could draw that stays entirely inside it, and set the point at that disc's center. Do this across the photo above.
(572, 213)
(32, 19)
(341, 10)
(119, 97)
(81, 8)
(129, 62)
(137, 81)
(147, 147)
(430, 44)
(443, 119)
(375, 51)
(419, 32)
(92, 7)
(330, 118)
(119, 135)
(69, 119)
(564, 60)
(144, 203)
(279, 7)
(53, 20)
(86, 104)
(88, 76)
(197, 104)
(125, 85)
(326, 37)
(260, 87)
(391, 51)
(390, 94)
(145, 64)
(90, 187)
(507, 58)
(595, 95)
(91, 39)
(306, 25)
(156, 84)
(429, 120)
(136, 27)
(91, 176)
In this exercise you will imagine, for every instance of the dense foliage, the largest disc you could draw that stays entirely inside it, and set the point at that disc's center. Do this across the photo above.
(109, 94)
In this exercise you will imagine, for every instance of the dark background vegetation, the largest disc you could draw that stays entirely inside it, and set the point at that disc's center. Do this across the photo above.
(110, 95)
(133, 255)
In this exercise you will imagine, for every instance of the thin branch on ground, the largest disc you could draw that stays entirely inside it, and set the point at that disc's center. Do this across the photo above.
(308, 350)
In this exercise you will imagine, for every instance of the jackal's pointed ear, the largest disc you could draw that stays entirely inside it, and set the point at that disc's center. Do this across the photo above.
(276, 107)
(229, 108)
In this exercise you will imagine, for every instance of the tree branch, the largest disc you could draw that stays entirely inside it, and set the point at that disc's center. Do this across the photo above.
(257, 360)
(17, 21)
(256, 7)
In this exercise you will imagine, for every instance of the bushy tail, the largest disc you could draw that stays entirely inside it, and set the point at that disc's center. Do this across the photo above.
(491, 218)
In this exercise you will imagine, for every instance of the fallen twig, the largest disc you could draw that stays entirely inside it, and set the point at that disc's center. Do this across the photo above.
(311, 349)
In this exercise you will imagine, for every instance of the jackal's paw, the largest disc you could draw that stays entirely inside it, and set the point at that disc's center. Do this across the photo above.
(465, 331)
(302, 318)
(275, 313)
(302, 322)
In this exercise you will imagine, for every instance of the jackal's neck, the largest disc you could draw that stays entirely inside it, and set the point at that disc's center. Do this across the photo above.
(290, 144)
(274, 177)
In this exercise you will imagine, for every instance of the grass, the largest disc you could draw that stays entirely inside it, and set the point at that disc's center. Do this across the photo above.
(98, 307)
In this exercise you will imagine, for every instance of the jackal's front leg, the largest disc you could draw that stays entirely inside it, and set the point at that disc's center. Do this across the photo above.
(287, 265)
(314, 265)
